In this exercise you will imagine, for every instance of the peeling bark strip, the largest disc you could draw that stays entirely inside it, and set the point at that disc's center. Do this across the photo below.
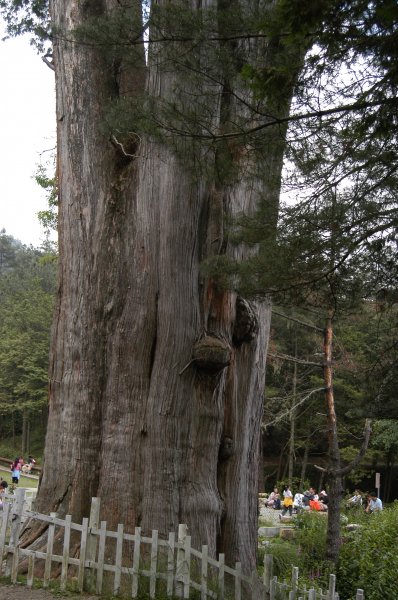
(127, 421)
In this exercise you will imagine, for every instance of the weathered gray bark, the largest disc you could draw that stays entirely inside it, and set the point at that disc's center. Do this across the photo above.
(143, 411)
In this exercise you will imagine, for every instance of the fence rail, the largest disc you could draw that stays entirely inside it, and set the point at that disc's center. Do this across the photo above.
(131, 562)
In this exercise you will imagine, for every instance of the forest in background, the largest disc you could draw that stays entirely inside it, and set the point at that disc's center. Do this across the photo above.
(294, 426)
(27, 288)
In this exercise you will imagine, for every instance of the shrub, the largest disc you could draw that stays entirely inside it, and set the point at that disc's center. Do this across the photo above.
(368, 557)
(285, 556)
(311, 534)
(311, 540)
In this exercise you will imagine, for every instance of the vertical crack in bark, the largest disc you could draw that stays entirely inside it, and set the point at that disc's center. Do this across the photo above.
(155, 339)
(152, 358)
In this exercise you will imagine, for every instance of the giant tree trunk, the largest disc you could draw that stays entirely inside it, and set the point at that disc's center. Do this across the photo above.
(156, 376)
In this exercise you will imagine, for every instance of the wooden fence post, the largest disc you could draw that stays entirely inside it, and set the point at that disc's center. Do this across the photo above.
(154, 563)
(82, 558)
(332, 587)
(3, 531)
(136, 562)
(203, 572)
(92, 543)
(181, 563)
(273, 588)
(50, 544)
(268, 568)
(31, 570)
(65, 552)
(238, 581)
(221, 576)
(170, 564)
(187, 566)
(295, 574)
(16, 522)
(118, 559)
(101, 558)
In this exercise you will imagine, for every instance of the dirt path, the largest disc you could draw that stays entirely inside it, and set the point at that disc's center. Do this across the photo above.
(19, 592)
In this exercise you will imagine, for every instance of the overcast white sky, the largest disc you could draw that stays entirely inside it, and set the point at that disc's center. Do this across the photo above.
(27, 128)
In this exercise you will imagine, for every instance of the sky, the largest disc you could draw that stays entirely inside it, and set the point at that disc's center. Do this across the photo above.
(27, 129)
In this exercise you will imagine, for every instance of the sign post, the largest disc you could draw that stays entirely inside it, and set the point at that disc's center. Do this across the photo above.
(377, 484)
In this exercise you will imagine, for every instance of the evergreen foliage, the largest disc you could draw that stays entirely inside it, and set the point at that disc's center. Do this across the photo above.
(28, 16)
(48, 218)
(368, 556)
(27, 285)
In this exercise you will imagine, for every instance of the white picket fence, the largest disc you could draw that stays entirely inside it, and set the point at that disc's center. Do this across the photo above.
(134, 563)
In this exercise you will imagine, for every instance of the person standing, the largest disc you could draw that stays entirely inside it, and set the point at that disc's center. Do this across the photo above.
(287, 504)
(16, 470)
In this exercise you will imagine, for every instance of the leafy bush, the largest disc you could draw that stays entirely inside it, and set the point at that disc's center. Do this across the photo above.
(311, 540)
(311, 533)
(368, 557)
(285, 556)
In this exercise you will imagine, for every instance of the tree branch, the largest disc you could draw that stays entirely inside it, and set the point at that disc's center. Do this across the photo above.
(366, 436)
(309, 325)
(294, 359)
(348, 468)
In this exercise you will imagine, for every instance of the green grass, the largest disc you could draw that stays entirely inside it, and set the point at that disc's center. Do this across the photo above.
(23, 482)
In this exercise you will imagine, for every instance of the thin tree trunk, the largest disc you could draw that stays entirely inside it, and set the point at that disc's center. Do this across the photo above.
(279, 472)
(292, 417)
(13, 428)
(321, 478)
(335, 472)
(389, 478)
(335, 487)
(25, 433)
(304, 463)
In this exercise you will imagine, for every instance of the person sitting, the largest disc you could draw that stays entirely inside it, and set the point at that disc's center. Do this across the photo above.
(3, 488)
(355, 501)
(309, 496)
(274, 499)
(298, 502)
(323, 501)
(374, 504)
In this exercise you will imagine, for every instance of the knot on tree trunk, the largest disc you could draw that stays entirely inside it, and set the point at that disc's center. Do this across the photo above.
(246, 322)
(227, 448)
(211, 354)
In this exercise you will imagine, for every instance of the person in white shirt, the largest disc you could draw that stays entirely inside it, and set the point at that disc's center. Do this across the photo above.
(374, 504)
